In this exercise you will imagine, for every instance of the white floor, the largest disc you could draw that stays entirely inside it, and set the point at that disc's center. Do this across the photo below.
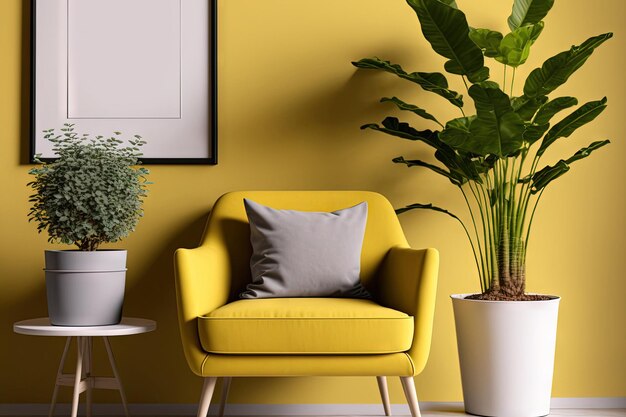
(556, 413)
(458, 413)
(429, 410)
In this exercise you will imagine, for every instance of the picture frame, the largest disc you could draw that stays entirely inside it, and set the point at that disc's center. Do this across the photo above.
(142, 67)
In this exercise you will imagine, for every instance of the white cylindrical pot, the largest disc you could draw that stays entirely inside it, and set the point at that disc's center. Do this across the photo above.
(506, 352)
(85, 288)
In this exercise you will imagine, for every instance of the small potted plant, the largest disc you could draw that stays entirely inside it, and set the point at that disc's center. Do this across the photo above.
(91, 194)
(495, 158)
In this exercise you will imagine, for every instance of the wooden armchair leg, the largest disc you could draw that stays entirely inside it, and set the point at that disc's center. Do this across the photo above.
(225, 389)
(408, 385)
(384, 393)
(205, 397)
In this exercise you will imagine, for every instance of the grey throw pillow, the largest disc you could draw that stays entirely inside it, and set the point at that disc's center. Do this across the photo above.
(305, 254)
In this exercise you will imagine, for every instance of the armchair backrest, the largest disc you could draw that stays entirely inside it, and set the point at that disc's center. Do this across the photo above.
(228, 226)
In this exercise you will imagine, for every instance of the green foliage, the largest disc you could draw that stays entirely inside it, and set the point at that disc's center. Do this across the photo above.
(515, 47)
(92, 193)
(543, 177)
(556, 70)
(410, 107)
(512, 49)
(446, 29)
(528, 12)
(497, 129)
(434, 82)
(581, 116)
(492, 156)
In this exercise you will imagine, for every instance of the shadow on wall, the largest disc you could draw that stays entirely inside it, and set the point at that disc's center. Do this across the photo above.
(331, 117)
(349, 102)
(344, 107)
(152, 295)
(153, 291)
(45, 351)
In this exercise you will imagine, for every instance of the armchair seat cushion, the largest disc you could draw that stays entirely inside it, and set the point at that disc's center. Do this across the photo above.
(314, 326)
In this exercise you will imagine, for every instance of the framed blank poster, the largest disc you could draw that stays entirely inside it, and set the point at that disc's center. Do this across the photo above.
(142, 67)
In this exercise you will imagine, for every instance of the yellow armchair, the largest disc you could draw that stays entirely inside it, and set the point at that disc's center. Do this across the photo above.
(226, 337)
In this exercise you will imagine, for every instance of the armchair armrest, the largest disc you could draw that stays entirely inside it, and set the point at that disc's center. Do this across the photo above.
(202, 278)
(408, 283)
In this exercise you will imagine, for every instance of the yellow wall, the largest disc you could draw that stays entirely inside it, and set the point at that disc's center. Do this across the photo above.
(290, 109)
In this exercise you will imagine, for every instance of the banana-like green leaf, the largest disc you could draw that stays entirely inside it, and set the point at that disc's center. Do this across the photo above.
(493, 195)
(556, 70)
(496, 193)
(549, 173)
(446, 29)
(489, 84)
(497, 129)
(546, 175)
(527, 107)
(476, 77)
(392, 126)
(462, 166)
(515, 47)
(464, 163)
(487, 40)
(434, 168)
(457, 133)
(412, 108)
(451, 3)
(434, 82)
(426, 207)
(541, 120)
(585, 152)
(486, 164)
(581, 116)
(526, 12)
(549, 109)
(533, 132)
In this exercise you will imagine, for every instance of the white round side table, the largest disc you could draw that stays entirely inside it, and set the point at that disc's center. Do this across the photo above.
(83, 380)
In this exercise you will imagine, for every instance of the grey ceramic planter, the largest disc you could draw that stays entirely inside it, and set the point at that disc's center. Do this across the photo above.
(85, 288)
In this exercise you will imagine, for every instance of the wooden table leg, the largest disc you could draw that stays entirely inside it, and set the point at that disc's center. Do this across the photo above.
(88, 371)
(59, 373)
(80, 341)
(116, 375)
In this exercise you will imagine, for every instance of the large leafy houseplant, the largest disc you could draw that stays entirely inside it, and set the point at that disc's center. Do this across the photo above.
(494, 157)
(92, 193)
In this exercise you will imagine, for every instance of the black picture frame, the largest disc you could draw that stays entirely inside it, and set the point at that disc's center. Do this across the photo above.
(211, 159)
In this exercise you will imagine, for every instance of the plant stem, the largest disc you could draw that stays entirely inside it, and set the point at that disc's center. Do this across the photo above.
(481, 268)
(528, 191)
(504, 78)
(530, 221)
(491, 227)
(478, 265)
(464, 82)
(520, 196)
(513, 80)
(511, 204)
(485, 219)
